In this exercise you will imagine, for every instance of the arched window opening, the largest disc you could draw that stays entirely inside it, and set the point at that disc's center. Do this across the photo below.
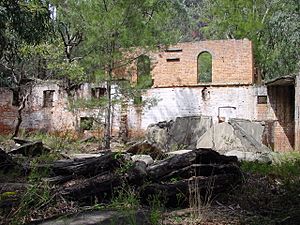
(204, 64)
(144, 79)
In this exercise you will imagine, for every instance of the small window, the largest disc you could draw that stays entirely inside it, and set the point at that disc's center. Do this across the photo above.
(15, 99)
(262, 99)
(174, 50)
(98, 92)
(173, 59)
(86, 123)
(48, 98)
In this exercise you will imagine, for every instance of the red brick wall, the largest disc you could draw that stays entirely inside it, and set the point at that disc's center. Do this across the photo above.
(232, 63)
(8, 113)
(279, 117)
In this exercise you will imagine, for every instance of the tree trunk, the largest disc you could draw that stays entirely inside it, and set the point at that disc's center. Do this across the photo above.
(107, 135)
(19, 117)
(182, 192)
(160, 170)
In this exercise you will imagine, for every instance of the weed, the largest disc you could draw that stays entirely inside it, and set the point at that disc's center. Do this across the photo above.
(125, 198)
(37, 195)
(156, 208)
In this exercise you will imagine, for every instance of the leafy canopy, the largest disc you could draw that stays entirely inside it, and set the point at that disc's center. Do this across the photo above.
(272, 25)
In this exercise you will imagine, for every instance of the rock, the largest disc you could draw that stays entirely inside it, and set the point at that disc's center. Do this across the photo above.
(251, 156)
(179, 152)
(145, 148)
(240, 135)
(144, 158)
(184, 132)
(83, 156)
(105, 217)
(30, 149)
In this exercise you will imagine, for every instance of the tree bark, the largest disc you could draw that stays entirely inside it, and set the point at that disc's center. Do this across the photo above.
(179, 193)
(19, 117)
(107, 135)
(160, 170)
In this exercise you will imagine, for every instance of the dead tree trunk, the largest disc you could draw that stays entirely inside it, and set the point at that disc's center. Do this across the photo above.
(19, 116)
(107, 135)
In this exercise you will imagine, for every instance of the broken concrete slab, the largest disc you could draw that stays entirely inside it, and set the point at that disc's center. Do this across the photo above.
(183, 132)
(242, 136)
(30, 149)
(251, 156)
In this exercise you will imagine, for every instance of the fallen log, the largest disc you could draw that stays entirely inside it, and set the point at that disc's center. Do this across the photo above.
(86, 167)
(104, 184)
(7, 163)
(162, 168)
(21, 141)
(87, 190)
(202, 170)
(178, 194)
(30, 149)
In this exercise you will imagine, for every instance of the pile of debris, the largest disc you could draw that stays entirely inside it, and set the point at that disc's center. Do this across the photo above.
(173, 179)
(237, 137)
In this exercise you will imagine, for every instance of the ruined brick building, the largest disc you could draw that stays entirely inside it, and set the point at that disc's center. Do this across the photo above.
(226, 86)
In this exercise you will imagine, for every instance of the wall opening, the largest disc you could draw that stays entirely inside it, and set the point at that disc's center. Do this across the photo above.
(15, 99)
(204, 66)
(86, 123)
(144, 79)
(173, 60)
(262, 99)
(98, 92)
(48, 98)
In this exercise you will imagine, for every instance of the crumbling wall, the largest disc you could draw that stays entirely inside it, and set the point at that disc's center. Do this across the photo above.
(194, 101)
(8, 112)
(232, 63)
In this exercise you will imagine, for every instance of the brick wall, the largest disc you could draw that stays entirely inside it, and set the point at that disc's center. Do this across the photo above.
(232, 63)
(8, 113)
(278, 113)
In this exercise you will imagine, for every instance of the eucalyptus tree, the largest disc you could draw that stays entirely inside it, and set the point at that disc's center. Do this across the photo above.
(272, 25)
(112, 32)
(22, 23)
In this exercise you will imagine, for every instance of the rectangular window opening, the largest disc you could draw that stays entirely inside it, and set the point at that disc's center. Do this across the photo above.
(174, 50)
(48, 98)
(98, 92)
(86, 123)
(262, 99)
(173, 59)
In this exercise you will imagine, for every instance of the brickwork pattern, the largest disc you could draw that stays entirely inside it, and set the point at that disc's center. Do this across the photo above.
(232, 63)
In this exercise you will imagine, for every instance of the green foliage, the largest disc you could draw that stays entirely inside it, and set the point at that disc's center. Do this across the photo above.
(37, 195)
(125, 197)
(56, 142)
(25, 20)
(205, 67)
(287, 168)
(156, 209)
(272, 25)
